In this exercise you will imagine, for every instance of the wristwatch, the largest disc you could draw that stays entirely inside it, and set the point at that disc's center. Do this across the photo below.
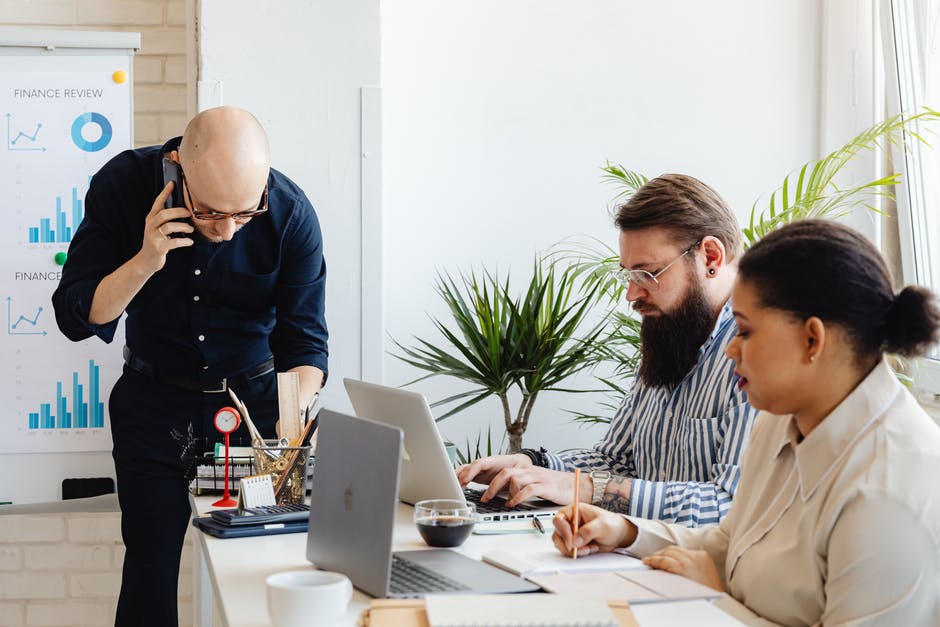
(600, 479)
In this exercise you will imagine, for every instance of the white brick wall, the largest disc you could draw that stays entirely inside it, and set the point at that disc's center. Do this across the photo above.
(160, 67)
(69, 613)
(12, 614)
(65, 570)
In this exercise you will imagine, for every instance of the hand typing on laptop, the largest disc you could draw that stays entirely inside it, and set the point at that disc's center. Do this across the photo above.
(523, 480)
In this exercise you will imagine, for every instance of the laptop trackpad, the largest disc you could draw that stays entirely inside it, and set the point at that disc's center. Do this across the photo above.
(476, 575)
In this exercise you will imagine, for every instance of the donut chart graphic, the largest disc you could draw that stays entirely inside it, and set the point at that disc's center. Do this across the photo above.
(91, 118)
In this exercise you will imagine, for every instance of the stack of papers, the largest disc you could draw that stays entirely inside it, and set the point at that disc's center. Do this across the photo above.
(611, 576)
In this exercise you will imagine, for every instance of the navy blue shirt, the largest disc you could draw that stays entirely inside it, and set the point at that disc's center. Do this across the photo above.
(215, 309)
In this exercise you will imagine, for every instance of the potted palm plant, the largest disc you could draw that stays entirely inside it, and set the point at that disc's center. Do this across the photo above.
(501, 342)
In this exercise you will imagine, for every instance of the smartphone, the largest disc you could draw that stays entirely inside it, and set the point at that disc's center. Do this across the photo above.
(172, 172)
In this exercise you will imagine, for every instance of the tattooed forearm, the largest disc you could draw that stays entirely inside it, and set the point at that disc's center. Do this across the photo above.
(617, 495)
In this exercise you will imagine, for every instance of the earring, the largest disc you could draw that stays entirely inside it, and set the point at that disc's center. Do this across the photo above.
(812, 359)
(711, 272)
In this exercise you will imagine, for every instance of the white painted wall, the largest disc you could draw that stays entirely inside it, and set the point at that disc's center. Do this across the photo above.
(498, 114)
(299, 67)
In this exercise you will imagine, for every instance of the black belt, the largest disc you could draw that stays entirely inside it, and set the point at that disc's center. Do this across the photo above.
(137, 364)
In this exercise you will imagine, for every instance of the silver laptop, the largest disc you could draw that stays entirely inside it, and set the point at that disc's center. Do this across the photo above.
(426, 472)
(353, 498)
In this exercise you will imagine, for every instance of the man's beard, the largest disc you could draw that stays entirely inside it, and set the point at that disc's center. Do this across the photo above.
(670, 342)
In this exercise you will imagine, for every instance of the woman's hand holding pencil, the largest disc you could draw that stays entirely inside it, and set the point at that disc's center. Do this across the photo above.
(590, 530)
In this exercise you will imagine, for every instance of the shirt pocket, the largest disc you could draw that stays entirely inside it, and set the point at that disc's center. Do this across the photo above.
(247, 292)
(699, 440)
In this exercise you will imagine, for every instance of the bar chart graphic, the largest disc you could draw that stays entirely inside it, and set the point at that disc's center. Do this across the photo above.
(61, 226)
(62, 117)
(84, 411)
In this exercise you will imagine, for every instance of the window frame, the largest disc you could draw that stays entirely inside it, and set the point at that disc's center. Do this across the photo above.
(917, 255)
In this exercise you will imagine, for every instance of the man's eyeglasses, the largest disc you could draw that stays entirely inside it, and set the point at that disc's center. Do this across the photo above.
(220, 215)
(648, 280)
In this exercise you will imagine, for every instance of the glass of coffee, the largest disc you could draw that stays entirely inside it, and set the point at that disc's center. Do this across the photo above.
(445, 522)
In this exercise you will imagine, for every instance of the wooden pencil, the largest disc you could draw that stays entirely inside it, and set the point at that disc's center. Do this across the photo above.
(577, 503)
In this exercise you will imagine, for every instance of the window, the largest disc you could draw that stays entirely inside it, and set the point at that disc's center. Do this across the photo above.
(916, 29)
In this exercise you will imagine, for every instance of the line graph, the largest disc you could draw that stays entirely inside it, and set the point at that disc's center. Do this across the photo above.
(13, 142)
(31, 323)
(31, 138)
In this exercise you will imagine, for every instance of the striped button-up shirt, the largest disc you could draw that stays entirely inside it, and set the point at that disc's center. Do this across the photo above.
(681, 445)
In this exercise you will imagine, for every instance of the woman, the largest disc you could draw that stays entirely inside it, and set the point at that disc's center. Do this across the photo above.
(837, 517)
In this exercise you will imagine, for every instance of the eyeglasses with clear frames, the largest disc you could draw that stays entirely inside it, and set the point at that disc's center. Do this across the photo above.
(648, 280)
(220, 215)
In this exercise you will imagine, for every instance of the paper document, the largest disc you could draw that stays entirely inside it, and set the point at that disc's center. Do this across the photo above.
(609, 585)
(669, 585)
(519, 610)
(635, 586)
(551, 561)
(698, 613)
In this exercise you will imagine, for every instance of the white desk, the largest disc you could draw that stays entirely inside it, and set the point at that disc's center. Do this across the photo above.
(232, 572)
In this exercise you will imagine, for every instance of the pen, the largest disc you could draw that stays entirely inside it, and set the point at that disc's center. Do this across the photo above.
(538, 524)
(577, 514)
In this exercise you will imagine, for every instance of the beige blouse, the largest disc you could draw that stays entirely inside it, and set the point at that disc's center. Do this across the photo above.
(841, 528)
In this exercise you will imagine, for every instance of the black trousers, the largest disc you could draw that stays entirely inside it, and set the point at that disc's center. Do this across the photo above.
(157, 429)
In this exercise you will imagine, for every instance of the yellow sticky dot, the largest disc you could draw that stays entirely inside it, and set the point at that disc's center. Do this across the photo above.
(119, 76)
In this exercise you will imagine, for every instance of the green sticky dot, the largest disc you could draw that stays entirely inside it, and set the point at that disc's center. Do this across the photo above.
(60, 258)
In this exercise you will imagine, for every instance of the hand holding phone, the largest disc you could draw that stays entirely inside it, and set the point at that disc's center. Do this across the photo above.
(165, 228)
(173, 172)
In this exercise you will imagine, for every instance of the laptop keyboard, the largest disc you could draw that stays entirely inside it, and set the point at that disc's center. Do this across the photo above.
(410, 579)
(497, 504)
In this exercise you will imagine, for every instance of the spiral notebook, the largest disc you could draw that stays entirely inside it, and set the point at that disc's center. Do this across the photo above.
(519, 610)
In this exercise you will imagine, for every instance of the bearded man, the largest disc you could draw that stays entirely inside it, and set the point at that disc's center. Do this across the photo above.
(672, 449)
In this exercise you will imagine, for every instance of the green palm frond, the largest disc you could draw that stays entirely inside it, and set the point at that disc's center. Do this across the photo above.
(592, 261)
(812, 191)
(619, 345)
(628, 180)
(608, 407)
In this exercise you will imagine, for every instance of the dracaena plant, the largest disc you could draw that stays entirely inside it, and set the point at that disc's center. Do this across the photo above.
(507, 345)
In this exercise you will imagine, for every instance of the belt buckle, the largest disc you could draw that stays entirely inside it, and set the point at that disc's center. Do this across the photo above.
(222, 388)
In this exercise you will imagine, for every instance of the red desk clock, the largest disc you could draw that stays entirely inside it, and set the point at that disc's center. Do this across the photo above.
(226, 420)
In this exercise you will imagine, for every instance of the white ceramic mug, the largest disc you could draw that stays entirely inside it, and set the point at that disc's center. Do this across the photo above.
(305, 598)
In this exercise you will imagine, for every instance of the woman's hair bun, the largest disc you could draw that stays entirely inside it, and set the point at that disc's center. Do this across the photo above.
(912, 323)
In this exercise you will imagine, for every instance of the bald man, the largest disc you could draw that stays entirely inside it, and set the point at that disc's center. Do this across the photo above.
(222, 290)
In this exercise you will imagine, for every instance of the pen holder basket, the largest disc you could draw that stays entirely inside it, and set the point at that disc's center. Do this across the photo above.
(287, 466)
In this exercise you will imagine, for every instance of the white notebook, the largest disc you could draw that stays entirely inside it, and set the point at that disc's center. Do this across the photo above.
(551, 561)
(519, 610)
